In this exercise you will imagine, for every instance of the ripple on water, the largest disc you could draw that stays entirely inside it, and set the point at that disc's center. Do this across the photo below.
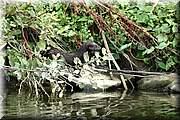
(104, 104)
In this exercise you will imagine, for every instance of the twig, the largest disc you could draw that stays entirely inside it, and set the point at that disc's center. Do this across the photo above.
(130, 62)
(9, 68)
(130, 72)
(124, 54)
(27, 49)
(36, 89)
(125, 74)
(131, 84)
(65, 78)
(155, 2)
(30, 86)
(35, 85)
(99, 21)
(14, 47)
(114, 61)
(123, 95)
(43, 89)
(19, 91)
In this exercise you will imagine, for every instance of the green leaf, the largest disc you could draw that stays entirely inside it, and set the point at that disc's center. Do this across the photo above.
(170, 21)
(162, 38)
(169, 63)
(116, 56)
(12, 24)
(83, 19)
(63, 29)
(146, 60)
(71, 33)
(165, 28)
(141, 47)
(24, 62)
(174, 43)
(148, 51)
(16, 64)
(153, 17)
(32, 13)
(148, 8)
(19, 74)
(34, 63)
(162, 45)
(41, 45)
(65, 34)
(174, 29)
(125, 46)
(161, 65)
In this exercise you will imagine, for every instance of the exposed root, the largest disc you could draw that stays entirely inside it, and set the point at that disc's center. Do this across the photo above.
(43, 89)
(19, 91)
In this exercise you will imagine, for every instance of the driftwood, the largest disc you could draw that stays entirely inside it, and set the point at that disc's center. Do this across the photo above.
(121, 72)
(130, 72)
(114, 61)
(99, 78)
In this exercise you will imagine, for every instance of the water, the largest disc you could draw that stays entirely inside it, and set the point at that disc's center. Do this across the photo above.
(93, 105)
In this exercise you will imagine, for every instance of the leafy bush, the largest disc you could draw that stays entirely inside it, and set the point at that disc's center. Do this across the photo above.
(162, 24)
(62, 25)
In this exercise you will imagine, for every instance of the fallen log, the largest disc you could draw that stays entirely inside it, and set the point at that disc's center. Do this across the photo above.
(129, 72)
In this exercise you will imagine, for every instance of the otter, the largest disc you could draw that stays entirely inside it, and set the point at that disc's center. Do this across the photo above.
(90, 47)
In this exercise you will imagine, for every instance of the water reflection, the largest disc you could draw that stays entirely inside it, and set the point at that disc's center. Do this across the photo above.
(89, 105)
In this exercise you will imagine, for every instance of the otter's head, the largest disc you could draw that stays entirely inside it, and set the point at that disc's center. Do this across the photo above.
(92, 46)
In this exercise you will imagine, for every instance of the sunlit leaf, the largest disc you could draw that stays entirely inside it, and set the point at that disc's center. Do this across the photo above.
(162, 38)
(104, 51)
(169, 63)
(162, 45)
(12, 24)
(63, 29)
(98, 62)
(125, 46)
(71, 33)
(146, 60)
(19, 74)
(61, 94)
(174, 43)
(54, 64)
(97, 54)
(161, 65)
(83, 19)
(148, 8)
(165, 28)
(148, 51)
(105, 57)
(77, 61)
(41, 45)
(86, 56)
(76, 72)
(174, 29)
(170, 21)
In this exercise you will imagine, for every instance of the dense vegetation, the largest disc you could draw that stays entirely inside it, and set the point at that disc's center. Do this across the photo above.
(152, 41)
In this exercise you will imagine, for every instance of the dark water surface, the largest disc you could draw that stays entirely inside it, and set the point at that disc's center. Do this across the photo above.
(112, 105)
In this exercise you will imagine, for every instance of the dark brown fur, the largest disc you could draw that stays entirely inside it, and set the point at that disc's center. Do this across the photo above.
(91, 47)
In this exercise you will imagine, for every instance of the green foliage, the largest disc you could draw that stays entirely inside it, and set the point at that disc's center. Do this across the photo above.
(53, 20)
(161, 23)
(59, 27)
